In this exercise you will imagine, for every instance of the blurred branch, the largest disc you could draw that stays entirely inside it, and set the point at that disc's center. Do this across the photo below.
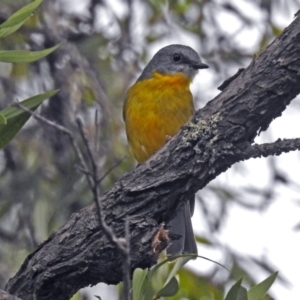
(79, 254)
(61, 129)
(6, 296)
(7, 236)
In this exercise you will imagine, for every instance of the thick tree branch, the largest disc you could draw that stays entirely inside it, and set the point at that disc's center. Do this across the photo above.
(78, 254)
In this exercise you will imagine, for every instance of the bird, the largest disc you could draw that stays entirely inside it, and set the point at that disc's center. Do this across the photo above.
(156, 106)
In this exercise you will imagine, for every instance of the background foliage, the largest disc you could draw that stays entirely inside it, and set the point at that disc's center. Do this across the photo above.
(105, 46)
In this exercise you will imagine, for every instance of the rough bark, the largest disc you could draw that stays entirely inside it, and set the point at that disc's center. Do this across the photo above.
(219, 135)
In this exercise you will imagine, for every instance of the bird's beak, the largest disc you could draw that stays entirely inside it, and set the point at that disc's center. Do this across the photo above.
(197, 65)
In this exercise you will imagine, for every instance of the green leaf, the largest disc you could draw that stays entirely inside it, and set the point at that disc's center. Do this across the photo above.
(17, 117)
(170, 289)
(258, 291)
(148, 291)
(169, 259)
(203, 240)
(138, 283)
(233, 292)
(3, 120)
(20, 16)
(180, 262)
(9, 30)
(266, 297)
(276, 30)
(17, 56)
(213, 261)
(242, 294)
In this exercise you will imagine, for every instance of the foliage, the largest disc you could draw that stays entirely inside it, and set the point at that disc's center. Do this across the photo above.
(16, 20)
(14, 118)
(143, 287)
(256, 292)
(143, 280)
(104, 50)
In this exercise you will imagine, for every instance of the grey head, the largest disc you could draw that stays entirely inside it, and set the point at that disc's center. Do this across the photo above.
(174, 59)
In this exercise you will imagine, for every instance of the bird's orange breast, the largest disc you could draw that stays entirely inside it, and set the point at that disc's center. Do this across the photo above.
(154, 109)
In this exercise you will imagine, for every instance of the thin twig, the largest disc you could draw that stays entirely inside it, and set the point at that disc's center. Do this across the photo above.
(119, 243)
(97, 131)
(123, 245)
(85, 172)
(61, 129)
(107, 230)
(99, 180)
(89, 150)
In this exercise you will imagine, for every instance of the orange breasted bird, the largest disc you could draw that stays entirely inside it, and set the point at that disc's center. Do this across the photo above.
(156, 106)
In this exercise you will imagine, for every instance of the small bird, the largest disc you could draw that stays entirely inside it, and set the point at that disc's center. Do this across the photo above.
(155, 107)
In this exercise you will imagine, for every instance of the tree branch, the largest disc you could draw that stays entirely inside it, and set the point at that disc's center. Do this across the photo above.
(79, 254)
(121, 243)
(276, 148)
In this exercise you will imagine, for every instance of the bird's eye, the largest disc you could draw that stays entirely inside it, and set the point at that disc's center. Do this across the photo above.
(177, 57)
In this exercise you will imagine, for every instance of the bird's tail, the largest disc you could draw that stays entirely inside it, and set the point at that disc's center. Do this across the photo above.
(181, 225)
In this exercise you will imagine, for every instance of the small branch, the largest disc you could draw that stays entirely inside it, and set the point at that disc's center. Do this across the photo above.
(110, 169)
(268, 149)
(94, 188)
(123, 245)
(7, 236)
(87, 145)
(61, 129)
(97, 131)
(85, 172)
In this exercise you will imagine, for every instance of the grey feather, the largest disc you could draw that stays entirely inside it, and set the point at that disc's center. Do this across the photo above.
(182, 225)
